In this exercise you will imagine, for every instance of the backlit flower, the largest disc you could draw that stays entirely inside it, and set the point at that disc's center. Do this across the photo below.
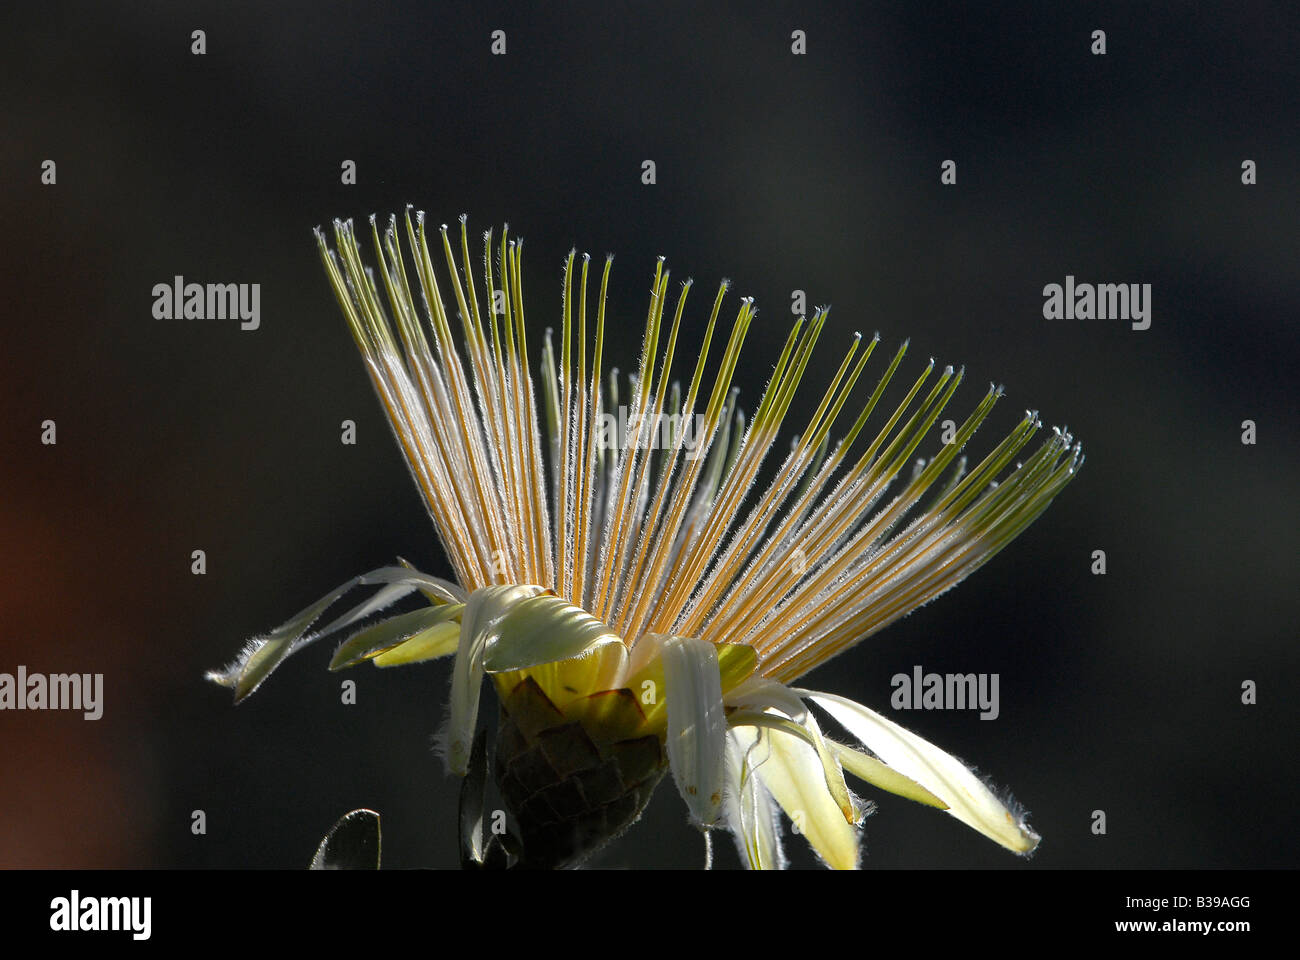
(640, 598)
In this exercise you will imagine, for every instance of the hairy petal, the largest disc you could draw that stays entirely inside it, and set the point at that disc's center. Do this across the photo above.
(697, 725)
(750, 809)
(946, 777)
(479, 625)
(881, 775)
(545, 629)
(399, 632)
(262, 655)
(439, 640)
(793, 772)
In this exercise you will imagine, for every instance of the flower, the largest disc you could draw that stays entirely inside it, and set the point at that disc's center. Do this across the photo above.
(648, 603)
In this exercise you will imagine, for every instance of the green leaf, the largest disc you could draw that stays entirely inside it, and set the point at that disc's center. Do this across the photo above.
(351, 844)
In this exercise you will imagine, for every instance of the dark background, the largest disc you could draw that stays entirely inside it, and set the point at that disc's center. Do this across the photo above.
(818, 172)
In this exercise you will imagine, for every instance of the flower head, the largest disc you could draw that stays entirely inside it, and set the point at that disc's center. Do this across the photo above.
(640, 598)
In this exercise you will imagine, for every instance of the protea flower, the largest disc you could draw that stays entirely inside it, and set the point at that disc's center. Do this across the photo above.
(641, 602)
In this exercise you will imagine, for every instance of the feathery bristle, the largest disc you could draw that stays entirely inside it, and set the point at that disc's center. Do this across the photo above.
(654, 535)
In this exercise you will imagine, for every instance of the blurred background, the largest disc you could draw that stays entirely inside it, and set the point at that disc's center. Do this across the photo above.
(818, 172)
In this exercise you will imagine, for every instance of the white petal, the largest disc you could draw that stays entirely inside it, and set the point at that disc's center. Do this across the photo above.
(439, 640)
(545, 629)
(810, 733)
(882, 775)
(645, 650)
(484, 610)
(759, 693)
(566, 651)
(968, 799)
(262, 655)
(371, 642)
(697, 725)
(751, 812)
(791, 769)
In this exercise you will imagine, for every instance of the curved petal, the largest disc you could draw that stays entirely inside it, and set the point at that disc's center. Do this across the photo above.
(792, 771)
(645, 673)
(882, 775)
(544, 629)
(439, 640)
(484, 610)
(697, 725)
(751, 812)
(262, 655)
(436, 589)
(395, 632)
(811, 734)
(566, 651)
(760, 693)
(950, 780)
